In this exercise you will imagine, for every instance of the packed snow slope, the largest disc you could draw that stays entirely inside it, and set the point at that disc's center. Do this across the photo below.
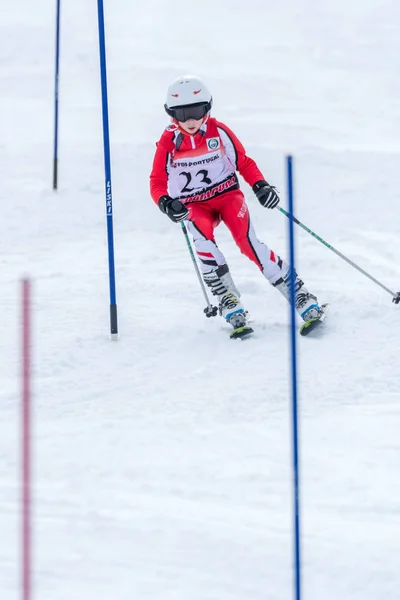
(162, 461)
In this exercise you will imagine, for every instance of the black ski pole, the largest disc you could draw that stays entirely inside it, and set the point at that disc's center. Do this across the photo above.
(396, 296)
(210, 310)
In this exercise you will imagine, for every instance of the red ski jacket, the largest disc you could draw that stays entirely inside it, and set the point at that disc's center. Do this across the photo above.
(196, 168)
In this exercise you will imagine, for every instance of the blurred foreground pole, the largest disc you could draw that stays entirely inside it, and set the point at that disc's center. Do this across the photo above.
(293, 335)
(26, 582)
(107, 168)
(55, 155)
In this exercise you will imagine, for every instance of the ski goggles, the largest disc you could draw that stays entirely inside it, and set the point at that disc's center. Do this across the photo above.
(192, 111)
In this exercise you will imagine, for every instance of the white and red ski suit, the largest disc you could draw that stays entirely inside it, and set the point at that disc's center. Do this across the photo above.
(200, 171)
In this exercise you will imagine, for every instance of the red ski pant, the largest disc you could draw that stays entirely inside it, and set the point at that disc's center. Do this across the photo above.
(231, 208)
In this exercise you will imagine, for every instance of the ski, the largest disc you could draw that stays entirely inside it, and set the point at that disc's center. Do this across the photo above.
(241, 332)
(312, 324)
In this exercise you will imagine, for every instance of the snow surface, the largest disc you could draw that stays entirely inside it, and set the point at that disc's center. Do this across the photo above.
(163, 460)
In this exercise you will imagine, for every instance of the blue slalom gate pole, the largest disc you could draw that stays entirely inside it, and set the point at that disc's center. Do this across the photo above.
(56, 80)
(107, 168)
(293, 334)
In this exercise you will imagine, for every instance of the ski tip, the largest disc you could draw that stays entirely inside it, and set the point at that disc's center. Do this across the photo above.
(308, 326)
(241, 332)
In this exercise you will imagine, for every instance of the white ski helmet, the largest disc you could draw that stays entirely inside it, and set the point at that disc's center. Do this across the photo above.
(186, 91)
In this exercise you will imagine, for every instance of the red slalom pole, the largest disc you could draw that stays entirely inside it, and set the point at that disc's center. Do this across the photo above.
(26, 440)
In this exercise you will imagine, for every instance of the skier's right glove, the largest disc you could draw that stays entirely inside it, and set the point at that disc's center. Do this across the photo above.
(175, 210)
(266, 194)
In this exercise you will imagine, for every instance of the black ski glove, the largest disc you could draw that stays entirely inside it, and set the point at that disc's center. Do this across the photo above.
(175, 210)
(266, 194)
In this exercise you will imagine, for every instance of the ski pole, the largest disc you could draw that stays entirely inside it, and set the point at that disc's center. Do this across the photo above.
(396, 296)
(210, 310)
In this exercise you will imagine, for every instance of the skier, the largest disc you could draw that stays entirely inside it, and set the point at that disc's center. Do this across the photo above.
(194, 179)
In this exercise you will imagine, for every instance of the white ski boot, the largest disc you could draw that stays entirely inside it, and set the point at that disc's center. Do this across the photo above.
(220, 281)
(306, 304)
(230, 307)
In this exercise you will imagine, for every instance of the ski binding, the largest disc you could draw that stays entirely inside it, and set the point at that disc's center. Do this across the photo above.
(312, 324)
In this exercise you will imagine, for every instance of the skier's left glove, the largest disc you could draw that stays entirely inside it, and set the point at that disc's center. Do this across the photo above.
(175, 209)
(266, 194)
